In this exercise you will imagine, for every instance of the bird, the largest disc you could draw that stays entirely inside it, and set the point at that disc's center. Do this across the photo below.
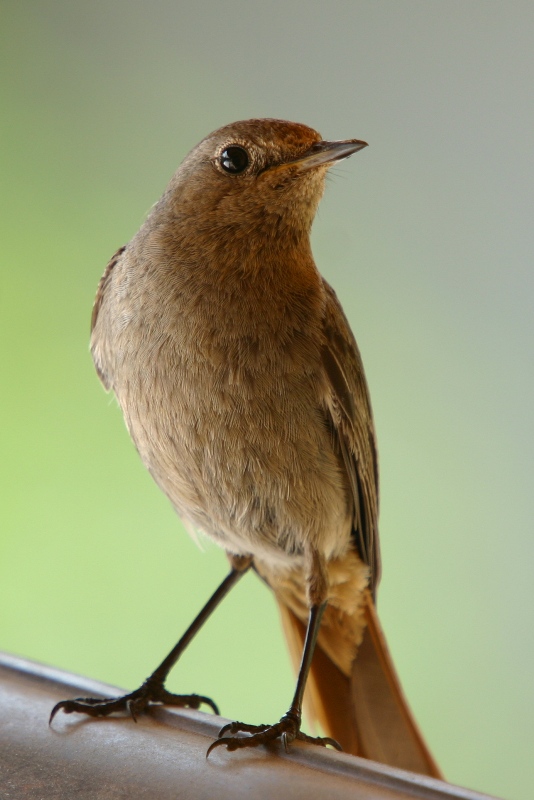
(243, 390)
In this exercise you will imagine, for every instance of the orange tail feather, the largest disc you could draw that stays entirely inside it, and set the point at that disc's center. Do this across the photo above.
(366, 712)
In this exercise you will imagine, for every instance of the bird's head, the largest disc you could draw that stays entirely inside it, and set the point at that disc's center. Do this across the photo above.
(255, 177)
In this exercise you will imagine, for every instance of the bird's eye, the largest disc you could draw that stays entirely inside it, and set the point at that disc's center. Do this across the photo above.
(234, 159)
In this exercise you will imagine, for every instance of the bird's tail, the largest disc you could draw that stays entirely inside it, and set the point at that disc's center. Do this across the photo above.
(363, 708)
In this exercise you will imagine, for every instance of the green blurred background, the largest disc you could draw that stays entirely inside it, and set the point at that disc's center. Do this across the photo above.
(428, 238)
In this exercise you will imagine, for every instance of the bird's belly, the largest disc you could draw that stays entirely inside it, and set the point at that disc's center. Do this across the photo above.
(252, 466)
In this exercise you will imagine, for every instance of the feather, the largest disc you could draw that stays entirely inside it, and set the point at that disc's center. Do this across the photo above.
(366, 712)
(353, 690)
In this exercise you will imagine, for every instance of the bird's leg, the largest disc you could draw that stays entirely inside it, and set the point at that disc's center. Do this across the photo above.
(153, 690)
(288, 728)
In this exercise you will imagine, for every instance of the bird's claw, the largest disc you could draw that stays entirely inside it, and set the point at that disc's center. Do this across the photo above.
(134, 703)
(288, 729)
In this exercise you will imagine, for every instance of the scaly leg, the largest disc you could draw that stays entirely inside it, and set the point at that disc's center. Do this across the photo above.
(288, 729)
(153, 690)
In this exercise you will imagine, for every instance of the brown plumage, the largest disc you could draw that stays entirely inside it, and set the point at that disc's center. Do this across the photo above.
(243, 389)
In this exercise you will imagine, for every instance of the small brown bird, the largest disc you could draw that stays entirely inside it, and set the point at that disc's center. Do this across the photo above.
(244, 392)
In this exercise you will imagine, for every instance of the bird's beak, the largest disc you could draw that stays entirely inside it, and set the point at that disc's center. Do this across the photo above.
(325, 153)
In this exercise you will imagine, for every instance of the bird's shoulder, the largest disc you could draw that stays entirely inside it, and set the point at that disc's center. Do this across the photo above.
(101, 293)
(104, 283)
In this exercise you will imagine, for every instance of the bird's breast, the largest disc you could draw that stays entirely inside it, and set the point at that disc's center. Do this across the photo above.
(222, 397)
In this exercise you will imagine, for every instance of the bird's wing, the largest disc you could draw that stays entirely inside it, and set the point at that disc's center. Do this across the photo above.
(349, 414)
(100, 294)
(102, 284)
(353, 690)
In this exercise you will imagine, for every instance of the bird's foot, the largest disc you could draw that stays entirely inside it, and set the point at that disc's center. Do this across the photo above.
(288, 729)
(135, 703)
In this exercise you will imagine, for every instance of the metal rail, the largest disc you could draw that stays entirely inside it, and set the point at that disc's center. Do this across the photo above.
(163, 755)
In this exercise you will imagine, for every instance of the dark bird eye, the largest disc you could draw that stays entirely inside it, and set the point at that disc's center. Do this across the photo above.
(234, 159)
